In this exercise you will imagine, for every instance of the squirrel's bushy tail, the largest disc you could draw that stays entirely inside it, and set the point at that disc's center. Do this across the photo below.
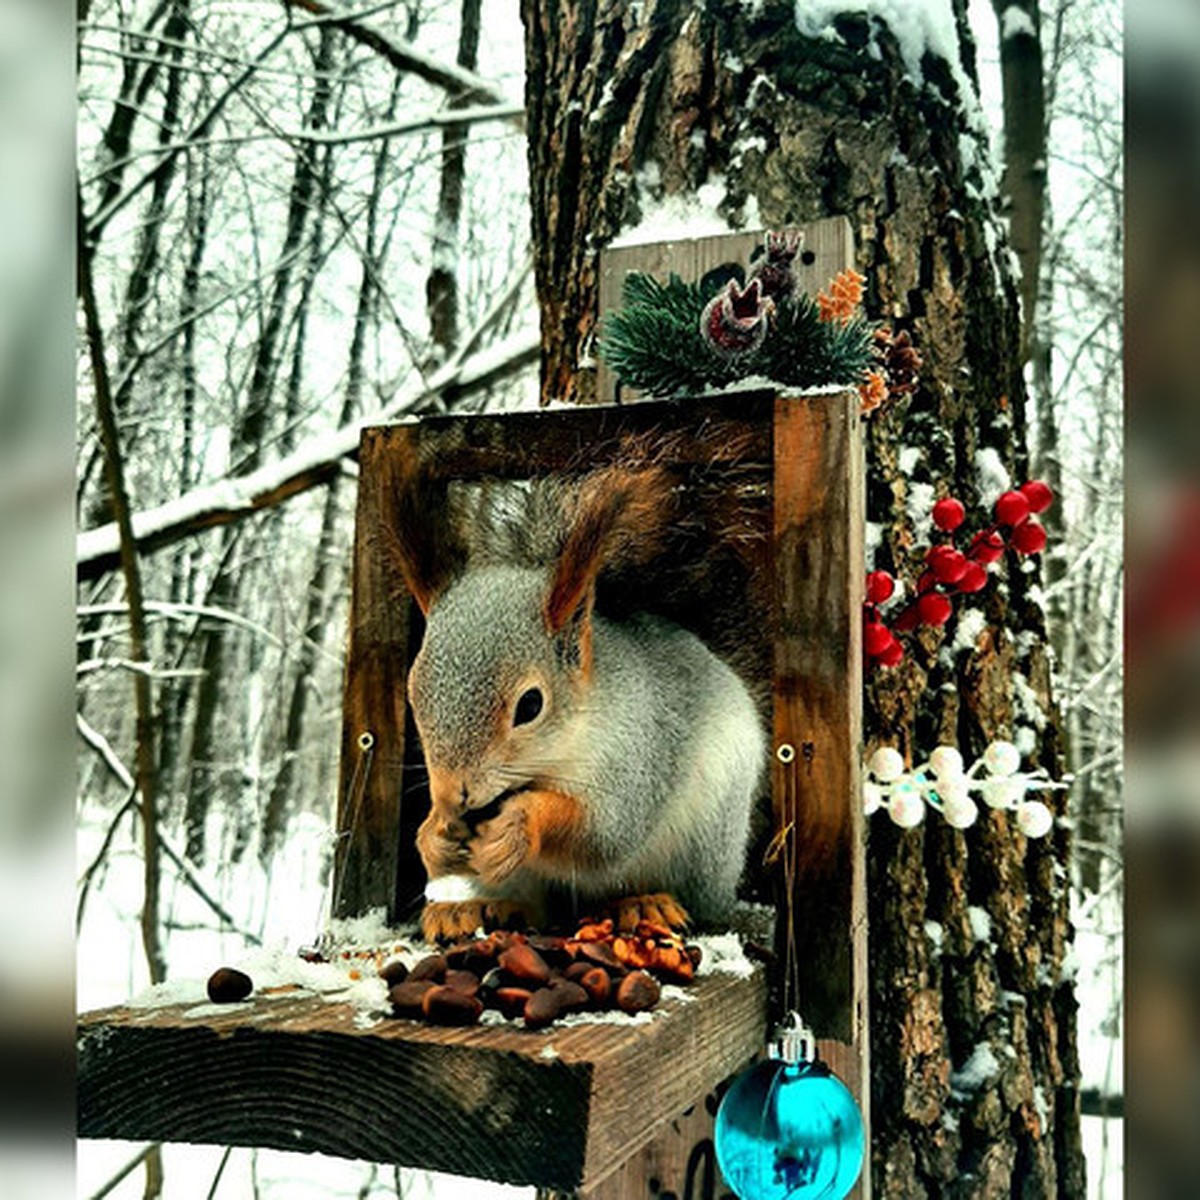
(617, 518)
(578, 527)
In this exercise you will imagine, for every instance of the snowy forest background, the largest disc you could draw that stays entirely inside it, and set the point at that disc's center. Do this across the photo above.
(292, 236)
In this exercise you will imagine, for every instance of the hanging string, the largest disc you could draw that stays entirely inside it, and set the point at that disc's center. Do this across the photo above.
(784, 848)
(345, 837)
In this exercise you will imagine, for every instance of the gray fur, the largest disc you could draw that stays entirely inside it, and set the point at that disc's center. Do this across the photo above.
(662, 744)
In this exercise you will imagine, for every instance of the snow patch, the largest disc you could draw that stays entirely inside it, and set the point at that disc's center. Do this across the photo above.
(683, 215)
(908, 458)
(1015, 22)
(1028, 707)
(971, 623)
(872, 541)
(919, 27)
(936, 935)
(977, 1072)
(991, 475)
(918, 504)
(722, 953)
(605, 100)
(981, 923)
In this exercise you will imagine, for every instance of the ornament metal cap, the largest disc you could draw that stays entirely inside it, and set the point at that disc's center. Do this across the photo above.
(794, 1041)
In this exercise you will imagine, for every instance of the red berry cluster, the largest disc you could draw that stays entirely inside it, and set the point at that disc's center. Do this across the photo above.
(950, 571)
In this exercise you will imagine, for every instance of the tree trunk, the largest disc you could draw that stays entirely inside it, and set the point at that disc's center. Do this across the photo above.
(441, 288)
(1024, 146)
(630, 103)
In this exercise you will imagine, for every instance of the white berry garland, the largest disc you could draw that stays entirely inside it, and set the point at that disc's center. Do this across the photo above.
(944, 784)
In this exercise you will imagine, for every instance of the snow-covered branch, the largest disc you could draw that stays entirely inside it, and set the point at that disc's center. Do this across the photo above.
(478, 115)
(313, 463)
(403, 55)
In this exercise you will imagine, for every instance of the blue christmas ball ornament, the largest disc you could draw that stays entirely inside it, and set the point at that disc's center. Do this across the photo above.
(789, 1129)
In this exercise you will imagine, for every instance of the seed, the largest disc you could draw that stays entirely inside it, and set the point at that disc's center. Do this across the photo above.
(510, 1001)
(596, 982)
(393, 972)
(448, 1006)
(227, 986)
(466, 982)
(406, 997)
(542, 1007)
(432, 966)
(571, 996)
(524, 964)
(637, 992)
(601, 953)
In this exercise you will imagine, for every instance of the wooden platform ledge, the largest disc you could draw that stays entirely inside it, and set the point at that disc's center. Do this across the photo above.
(561, 1108)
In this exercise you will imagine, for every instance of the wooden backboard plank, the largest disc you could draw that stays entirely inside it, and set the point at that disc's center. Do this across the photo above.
(828, 248)
(819, 507)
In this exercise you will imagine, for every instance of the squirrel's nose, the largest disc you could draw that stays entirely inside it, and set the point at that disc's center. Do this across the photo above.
(465, 797)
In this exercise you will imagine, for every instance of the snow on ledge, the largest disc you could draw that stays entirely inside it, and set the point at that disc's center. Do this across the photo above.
(686, 215)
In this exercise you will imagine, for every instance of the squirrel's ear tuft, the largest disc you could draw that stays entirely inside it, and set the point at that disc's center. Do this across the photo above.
(618, 517)
(418, 529)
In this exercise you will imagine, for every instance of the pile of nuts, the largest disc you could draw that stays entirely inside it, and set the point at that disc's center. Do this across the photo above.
(539, 978)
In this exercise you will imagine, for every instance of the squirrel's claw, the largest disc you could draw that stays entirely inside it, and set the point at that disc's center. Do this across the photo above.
(452, 921)
(659, 908)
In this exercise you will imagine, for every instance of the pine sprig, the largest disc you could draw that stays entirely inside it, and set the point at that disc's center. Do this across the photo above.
(654, 343)
(804, 351)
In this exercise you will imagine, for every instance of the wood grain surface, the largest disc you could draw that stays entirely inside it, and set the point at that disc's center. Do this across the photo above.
(559, 1108)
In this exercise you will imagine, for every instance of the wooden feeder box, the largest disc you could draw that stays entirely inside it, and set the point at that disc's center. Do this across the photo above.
(596, 1109)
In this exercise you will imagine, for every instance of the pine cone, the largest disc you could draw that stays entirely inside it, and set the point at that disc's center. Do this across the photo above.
(734, 321)
(900, 360)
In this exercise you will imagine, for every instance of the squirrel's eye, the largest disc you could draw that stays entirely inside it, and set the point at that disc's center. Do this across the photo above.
(528, 707)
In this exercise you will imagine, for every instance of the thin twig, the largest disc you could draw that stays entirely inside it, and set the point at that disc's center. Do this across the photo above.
(131, 1166)
(108, 755)
(212, 1191)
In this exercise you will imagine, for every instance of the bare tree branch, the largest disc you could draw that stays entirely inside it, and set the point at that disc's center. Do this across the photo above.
(111, 760)
(404, 56)
(314, 462)
(127, 1170)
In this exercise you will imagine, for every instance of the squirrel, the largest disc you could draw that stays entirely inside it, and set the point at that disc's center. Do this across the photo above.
(613, 761)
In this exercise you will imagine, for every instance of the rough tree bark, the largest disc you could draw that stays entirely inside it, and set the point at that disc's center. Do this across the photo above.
(629, 102)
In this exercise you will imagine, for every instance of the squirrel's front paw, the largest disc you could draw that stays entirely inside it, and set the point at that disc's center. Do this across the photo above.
(658, 908)
(454, 920)
(502, 844)
(442, 845)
